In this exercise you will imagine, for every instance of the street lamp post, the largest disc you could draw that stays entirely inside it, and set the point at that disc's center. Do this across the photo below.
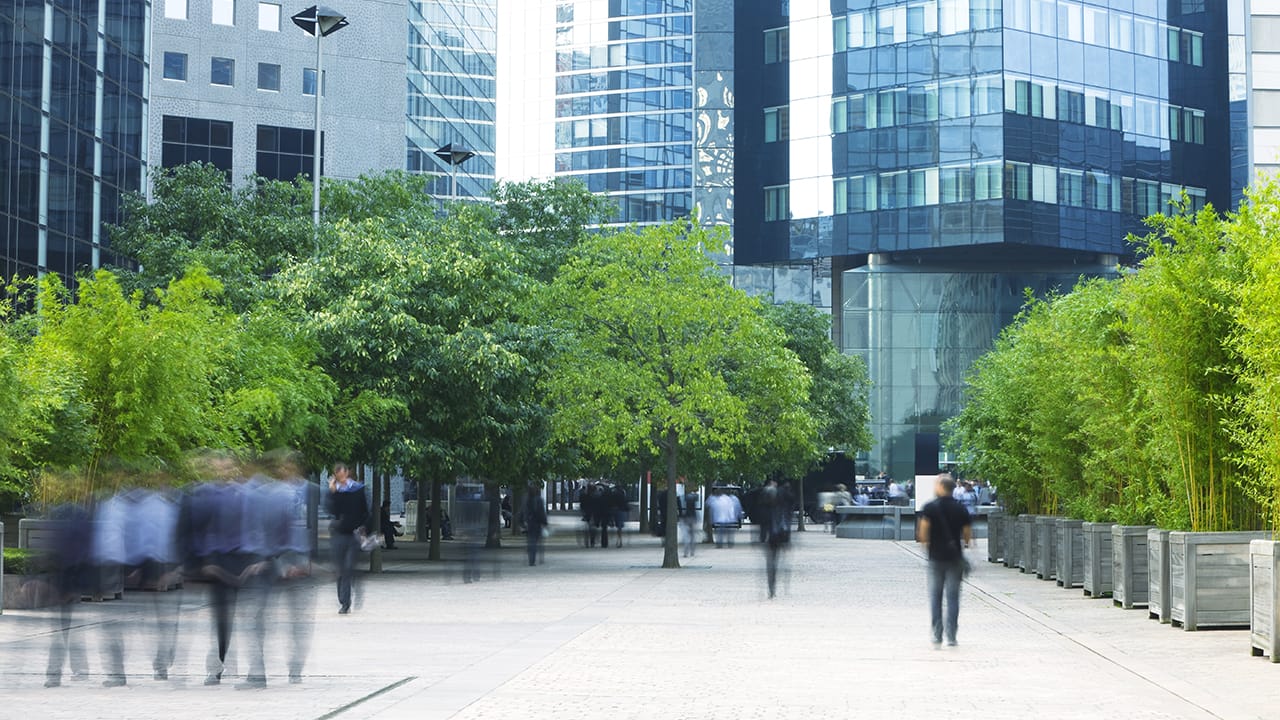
(321, 22)
(455, 155)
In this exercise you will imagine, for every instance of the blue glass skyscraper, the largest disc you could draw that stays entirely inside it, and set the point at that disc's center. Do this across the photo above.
(73, 106)
(943, 155)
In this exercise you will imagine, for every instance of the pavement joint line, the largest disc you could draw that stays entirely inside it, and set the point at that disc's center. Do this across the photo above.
(370, 696)
(1043, 620)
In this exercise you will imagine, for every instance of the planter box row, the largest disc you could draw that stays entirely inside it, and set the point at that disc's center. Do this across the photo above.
(1191, 580)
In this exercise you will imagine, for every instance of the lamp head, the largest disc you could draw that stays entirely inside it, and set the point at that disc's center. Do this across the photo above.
(321, 20)
(454, 154)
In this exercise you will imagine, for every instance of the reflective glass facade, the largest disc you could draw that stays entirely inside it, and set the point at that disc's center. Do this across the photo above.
(62, 171)
(624, 103)
(944, 154)
(452, 95)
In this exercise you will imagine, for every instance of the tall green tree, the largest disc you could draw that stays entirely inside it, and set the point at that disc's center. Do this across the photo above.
(1255, 343)
(660, 352)
(1178, 311)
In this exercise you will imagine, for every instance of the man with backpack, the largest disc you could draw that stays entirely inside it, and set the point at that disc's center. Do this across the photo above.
(945, 526)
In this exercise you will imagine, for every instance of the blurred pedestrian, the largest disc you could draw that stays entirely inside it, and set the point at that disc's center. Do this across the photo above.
(350, 511)
(69, 574)
(945, 527)
(620, 508)
(602, 514)
(535, 521)
(776, 506)
(390, 528)
(690, 507)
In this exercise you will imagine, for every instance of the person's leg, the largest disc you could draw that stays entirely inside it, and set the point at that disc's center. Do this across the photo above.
(255, 597)
(936, 573)
(340, 544)
(531, 544)
(771, 567)
(220, 598)
(955, 573)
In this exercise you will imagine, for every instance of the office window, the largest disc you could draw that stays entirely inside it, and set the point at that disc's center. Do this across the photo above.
(1044, 17)
(175, 9)
(186, 139)
(1146, 200)
(1026, 97)
(891, 25)
(862, 29)
(1017, 181)
(1195, 126)
(841, 186)
(1175, 44)
(1096, 29)
(1121, 32)
(1070, 188)
(1097, 110)
(953, 16)
(284, 153)
(268, 77)
(988, 95)
(922, 103)
(1195, 54)
(1070, 21)
(954, 99)
(1145, 37)
(922, 20)
(175, 66)
(1098, 191)
(1044, 183)
(269, 17)
(987, 182)
(222, 71)
(839, 115)
(777, 204)
(777, 124)
(862, 193)
(954, 184)
(839, 33)
(984, 14)
(922, 187)
(893, 190)
(777, 45)
(224, 12)
(309, 81)
(1071, 106)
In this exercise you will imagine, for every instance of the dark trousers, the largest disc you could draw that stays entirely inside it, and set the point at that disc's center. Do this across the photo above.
(944, 582)
(345, 551)
(533, 542)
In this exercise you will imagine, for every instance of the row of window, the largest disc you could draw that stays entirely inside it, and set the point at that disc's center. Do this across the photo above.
(1063, 19)
(283, 153)
(1097, 108)
(1068, 187)
(223, 12)
(990, 94)
(657, 52)
(222, 71)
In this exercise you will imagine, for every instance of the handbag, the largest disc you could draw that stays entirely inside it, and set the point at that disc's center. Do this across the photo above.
(367, 542)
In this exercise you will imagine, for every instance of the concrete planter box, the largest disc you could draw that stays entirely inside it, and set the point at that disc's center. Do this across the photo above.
(1029, 550)
(1209, 578)
(1158, 606)
(879, 522)
(1129, 565)
(1097, 558)
(38, 534)
(1012, 541)
(1264, 598)
(1070, 536)
(995, 535)
(1046, 547)
(27, 592)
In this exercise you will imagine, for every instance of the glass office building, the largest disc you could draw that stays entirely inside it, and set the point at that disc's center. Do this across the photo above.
(452, 95)
(73, 104)
(943, 155)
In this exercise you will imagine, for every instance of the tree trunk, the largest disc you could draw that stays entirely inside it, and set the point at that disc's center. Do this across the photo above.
(671, 545)
(493, 538)
(375, 557)
(644, 503)
(800, 497)
(437, 512)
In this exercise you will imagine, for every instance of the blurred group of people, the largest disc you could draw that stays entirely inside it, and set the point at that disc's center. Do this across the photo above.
(239, 535)
(604, 507)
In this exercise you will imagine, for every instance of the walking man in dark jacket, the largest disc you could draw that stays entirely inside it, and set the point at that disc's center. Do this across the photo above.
(350, 510)
(945, 527)
(535, 520)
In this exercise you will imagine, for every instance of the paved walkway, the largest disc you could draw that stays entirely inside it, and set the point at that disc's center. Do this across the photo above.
(606, 634)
